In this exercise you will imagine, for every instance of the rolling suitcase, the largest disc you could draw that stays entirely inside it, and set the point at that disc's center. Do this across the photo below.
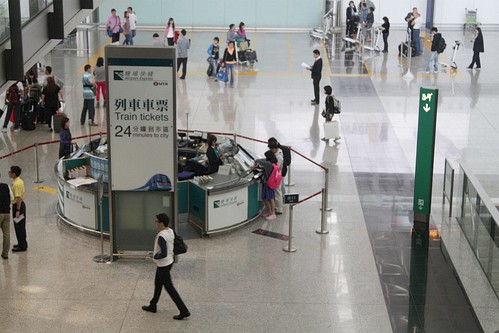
(27, 119)
(250, 55)
(241, 56)
(331, 130)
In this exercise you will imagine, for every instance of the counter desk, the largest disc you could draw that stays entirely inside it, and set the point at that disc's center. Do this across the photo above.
(213, 203)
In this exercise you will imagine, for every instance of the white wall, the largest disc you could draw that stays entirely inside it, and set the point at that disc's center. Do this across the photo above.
(447, 13)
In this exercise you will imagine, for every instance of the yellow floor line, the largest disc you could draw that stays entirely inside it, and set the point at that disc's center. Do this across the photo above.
(92, 60)
(325, 56)
(46, 189)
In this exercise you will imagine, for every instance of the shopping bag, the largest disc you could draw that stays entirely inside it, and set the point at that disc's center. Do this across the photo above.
(222, 75)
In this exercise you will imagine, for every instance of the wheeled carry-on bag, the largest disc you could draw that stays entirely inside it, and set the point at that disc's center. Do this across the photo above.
(250, 55)
(28, 119)
(241, 56)
(57, 121)
(331, 130)
(405, 48)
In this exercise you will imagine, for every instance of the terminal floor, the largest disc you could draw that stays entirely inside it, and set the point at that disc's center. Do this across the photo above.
(366, 275)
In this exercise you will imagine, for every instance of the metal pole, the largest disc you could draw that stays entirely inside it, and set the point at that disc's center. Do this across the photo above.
(37, 181)
(326, 189)
(289, 184)
(290, 247)
(101, 258)
(323, 230)
(409, 75)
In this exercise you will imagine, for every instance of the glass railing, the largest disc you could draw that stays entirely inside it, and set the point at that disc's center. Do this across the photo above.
(479, 220)
(29, 9)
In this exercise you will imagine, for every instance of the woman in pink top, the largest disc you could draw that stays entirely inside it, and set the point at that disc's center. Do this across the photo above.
(114, 23)
(170, 32)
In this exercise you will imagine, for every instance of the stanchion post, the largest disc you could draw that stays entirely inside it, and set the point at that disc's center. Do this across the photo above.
(326, 189)
(100, 191)
(323, 230)
(290, 247)
(38, 180)
(409, 75)
(289, 172)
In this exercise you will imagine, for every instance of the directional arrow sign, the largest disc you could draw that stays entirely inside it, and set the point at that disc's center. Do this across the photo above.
(427, 120)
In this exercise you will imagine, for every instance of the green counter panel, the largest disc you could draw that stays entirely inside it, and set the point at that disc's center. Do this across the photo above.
(183, 197)
(254, 204)
(197, 200)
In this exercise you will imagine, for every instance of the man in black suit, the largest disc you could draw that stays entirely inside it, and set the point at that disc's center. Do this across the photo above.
(316, 70)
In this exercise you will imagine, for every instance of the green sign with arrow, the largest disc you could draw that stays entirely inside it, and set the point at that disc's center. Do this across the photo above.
(425, 151)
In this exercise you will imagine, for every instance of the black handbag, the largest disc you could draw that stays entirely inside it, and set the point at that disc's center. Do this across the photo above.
(179, 246)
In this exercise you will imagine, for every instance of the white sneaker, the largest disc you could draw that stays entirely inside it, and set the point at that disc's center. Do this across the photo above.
(16, 130)
(4, 130)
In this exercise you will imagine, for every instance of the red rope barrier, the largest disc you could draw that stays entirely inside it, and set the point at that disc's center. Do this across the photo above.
(309, 197)
(45, 143)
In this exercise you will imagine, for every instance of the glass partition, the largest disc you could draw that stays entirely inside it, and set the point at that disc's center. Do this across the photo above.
(4, 20)
(478, 219)
(29, 9)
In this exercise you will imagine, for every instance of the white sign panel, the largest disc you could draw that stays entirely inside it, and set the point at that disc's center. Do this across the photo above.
(141, 123)
(227, 209)
(80, 207)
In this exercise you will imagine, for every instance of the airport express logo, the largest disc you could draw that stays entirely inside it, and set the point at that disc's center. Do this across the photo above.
(144, 76)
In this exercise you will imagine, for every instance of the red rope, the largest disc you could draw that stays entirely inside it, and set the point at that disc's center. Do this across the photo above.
(309, 197)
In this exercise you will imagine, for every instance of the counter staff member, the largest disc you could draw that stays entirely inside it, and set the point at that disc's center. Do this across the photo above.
(18, 209)
(214, 157)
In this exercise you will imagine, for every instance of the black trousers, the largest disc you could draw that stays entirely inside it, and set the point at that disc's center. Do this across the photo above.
(115, 37)
(317, 81)
(385, 41)
(181, 61)
(170, 41)
(20, 227)
(476, 59)
(163, 278)
(88, 104)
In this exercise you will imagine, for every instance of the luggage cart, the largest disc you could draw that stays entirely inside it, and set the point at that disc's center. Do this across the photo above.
(471, 19)
(325, 32)
(455, 48)
(375, 45)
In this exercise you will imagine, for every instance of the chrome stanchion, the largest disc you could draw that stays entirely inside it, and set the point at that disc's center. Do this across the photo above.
(290, 247)
(326, 189)
(101, 258)
(38, 180)
(289, 173)
(323, 230)
(408, 75)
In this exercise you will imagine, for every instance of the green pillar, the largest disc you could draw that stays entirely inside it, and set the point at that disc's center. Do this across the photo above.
(425, 152)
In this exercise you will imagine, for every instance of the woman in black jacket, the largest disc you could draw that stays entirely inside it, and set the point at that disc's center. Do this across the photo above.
(214, 157)
(477, 49)
(351, 13)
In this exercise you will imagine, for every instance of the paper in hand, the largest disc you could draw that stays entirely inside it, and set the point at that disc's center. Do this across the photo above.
(19, 219)
(305, 65)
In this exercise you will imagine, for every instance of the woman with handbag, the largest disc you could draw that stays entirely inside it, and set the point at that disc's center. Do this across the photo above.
(113, 26)
(50, 100)
(127, 31)
(170, 35)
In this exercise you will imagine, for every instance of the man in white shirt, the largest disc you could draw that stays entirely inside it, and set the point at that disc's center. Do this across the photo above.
(417, 23)
(132, 17)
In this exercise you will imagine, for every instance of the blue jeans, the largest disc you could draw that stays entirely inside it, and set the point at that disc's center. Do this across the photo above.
(128, 40)
(214, 64)
(230, 68)
(434, 60)
(417, 40)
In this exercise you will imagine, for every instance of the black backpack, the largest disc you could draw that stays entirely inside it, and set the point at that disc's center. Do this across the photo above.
(286, 154)
(441, 45)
